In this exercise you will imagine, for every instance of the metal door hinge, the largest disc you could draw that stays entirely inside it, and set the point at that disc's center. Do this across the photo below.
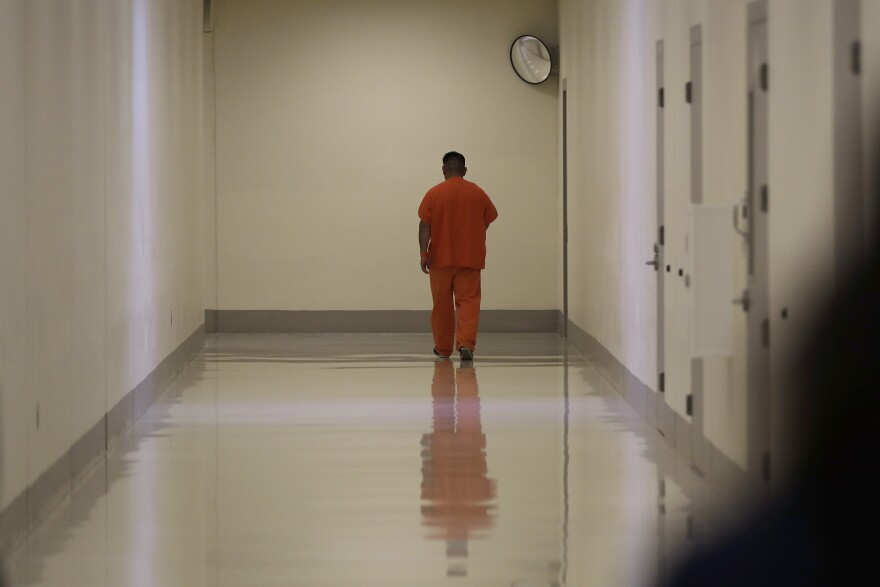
(660, 101)
(857, 57)
(765, 198)
(689, 408)
(662, 235)
(765, 333)
(765, 77)
(207, 17)
(662, 383)
(688, 92)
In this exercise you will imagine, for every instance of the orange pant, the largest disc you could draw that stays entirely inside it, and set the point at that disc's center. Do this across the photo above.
(455, 322)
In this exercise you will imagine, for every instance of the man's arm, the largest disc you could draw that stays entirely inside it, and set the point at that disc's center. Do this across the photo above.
(491, 214)
(424, 240)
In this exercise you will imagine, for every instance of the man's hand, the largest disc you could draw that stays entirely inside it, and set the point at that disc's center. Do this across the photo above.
(424, 242)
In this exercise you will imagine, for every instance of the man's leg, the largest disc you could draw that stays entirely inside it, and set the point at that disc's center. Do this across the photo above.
(443, 315)
(467, 303)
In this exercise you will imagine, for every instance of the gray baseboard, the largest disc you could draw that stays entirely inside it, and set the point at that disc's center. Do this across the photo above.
(678, 431)
(88, 449)
(13, 524)
(33, 504)
(55, 483)
(368, 321)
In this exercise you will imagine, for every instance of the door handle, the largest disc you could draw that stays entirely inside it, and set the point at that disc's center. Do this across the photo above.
(656, 261)
(744, 301)
(736, 227)
(744, 206)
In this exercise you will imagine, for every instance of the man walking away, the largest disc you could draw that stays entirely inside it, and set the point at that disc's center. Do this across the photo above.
(454, 216)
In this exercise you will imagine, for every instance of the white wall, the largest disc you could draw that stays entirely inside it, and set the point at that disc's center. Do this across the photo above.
(101, 212)
(332, 118)
(13, 206)
(871, 103)
(608, 59)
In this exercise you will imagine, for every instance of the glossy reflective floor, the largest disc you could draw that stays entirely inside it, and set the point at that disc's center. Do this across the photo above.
(360, 460)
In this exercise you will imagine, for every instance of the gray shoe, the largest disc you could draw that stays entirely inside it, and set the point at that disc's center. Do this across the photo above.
(467, 355)
(439, 356)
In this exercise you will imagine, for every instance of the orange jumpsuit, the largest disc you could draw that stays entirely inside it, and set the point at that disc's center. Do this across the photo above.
(459, 212)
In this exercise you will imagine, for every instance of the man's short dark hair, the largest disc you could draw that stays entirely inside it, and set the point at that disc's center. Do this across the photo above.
(453, 159)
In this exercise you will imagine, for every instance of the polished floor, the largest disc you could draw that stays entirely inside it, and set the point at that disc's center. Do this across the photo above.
(345, 460)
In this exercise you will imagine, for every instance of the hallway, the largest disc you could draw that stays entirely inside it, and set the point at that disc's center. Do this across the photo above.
(358, 460)
(208, 212)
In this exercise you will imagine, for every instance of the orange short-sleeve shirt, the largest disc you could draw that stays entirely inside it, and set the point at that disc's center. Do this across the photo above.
(459, 212)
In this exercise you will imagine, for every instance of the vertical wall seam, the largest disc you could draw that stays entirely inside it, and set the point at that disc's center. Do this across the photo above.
(104, 73)
(70, 196)
(28, 382)
(215, 189)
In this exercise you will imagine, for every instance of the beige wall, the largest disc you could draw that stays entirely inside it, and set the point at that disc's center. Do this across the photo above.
(13, 398)
(101, 214)
(608, 59)
(871, 104)
(332, 117)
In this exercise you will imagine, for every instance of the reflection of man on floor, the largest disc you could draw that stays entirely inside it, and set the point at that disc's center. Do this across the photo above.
(453, 218)
(455, 482)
